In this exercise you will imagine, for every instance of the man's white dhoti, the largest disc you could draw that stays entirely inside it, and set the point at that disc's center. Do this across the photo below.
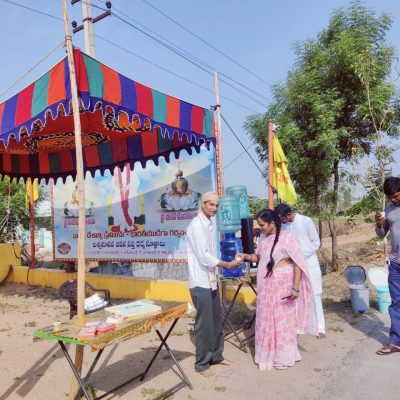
(315, 275)
(304, 230)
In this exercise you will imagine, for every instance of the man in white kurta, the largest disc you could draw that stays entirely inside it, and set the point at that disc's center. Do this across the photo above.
(203, 266)
(303, 228)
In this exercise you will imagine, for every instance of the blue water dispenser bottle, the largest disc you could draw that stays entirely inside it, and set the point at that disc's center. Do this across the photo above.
(230, 246)
(228, 215)
(241, 193)
(228, 222)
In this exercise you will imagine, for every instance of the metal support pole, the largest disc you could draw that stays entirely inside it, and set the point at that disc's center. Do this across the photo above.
(218, 153)
(270, 165)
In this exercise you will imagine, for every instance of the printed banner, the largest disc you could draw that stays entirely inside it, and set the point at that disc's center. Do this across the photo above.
(138, 215)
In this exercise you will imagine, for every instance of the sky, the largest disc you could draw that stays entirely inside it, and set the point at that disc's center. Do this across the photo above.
(258, 35)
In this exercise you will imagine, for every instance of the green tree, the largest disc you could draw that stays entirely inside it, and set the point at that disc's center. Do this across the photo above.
(363, 207)
(346, 198)
(323, 106)
(384, 116)
(12, 198)
(256, 205)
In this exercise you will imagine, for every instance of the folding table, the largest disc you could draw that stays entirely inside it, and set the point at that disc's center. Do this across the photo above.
(238, 282)
(128, 329)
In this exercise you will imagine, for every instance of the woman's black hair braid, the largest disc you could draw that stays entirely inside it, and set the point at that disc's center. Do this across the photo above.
(268, 216)
(271, 262)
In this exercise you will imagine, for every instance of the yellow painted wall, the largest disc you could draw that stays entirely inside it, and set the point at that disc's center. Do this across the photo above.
(10, 254)
(120, 287)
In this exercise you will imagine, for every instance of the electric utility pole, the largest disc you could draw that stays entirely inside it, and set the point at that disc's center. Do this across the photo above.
(88, 22)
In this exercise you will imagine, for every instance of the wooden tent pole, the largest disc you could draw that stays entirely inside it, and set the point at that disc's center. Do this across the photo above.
(218, 153)
(270, 165)
(81, 192)
(79, 167)
(32, 222)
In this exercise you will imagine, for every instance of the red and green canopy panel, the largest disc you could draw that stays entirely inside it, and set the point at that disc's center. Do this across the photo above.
(122, 121)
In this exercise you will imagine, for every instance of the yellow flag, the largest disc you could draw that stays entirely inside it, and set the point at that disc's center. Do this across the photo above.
(28, 191)
(281, 179)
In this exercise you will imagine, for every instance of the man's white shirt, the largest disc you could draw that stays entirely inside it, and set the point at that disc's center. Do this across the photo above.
(201, 257)
(303, 229)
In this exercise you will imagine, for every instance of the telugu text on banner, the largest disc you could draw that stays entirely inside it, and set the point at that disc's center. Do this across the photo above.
(138, 215)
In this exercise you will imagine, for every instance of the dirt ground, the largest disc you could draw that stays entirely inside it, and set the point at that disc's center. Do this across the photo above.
(341, 366)
(36, 369)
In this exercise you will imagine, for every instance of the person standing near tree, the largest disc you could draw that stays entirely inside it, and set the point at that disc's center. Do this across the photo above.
(203, 285)
(389, 221)
(303, 229)
(285, 305)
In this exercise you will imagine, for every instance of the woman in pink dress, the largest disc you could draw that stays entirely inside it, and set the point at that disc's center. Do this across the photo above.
(285, 304)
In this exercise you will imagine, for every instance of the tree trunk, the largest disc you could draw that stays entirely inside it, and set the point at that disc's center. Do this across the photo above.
(318, 207)
(333, 234)
(320, 227)
(332, 223)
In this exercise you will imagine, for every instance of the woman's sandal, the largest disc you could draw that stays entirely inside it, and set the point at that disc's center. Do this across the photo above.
(280, 366)
(389, 349)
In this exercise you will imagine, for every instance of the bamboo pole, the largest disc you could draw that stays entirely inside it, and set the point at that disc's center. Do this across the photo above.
(270, 165)
(79, 167)
(81, 194)
(218, 131)
(32, 222)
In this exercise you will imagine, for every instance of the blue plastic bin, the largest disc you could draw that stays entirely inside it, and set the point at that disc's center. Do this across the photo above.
(384, 299)
(359, 293)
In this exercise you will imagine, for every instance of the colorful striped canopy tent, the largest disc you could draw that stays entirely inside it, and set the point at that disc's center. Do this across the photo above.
(122, 122)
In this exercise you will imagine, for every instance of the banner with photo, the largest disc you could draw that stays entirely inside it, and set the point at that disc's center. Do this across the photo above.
(138, 215)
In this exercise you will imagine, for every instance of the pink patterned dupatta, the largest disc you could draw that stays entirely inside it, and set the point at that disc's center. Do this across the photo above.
(288, 247)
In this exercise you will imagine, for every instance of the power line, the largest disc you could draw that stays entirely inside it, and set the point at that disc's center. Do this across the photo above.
(237, 157)
(243, 93)
(181, 54)
(31, 69)
(184, 54)
(263, 174)
(205, 42)
(151, 62)
(162, 37)
(120, 47)
(32, 9)
(188, 56)
(171, 72)
(245, 87)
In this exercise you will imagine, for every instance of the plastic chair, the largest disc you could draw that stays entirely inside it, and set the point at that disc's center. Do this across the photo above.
(68, 290)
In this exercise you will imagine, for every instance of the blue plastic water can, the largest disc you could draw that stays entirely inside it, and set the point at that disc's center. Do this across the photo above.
(230, 246)
(241, 193)
(228, 215)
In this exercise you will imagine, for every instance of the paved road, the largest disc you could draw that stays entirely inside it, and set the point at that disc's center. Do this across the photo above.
(364, 375)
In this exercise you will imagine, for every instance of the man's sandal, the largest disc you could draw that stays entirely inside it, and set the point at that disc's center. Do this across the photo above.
(389, 349)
